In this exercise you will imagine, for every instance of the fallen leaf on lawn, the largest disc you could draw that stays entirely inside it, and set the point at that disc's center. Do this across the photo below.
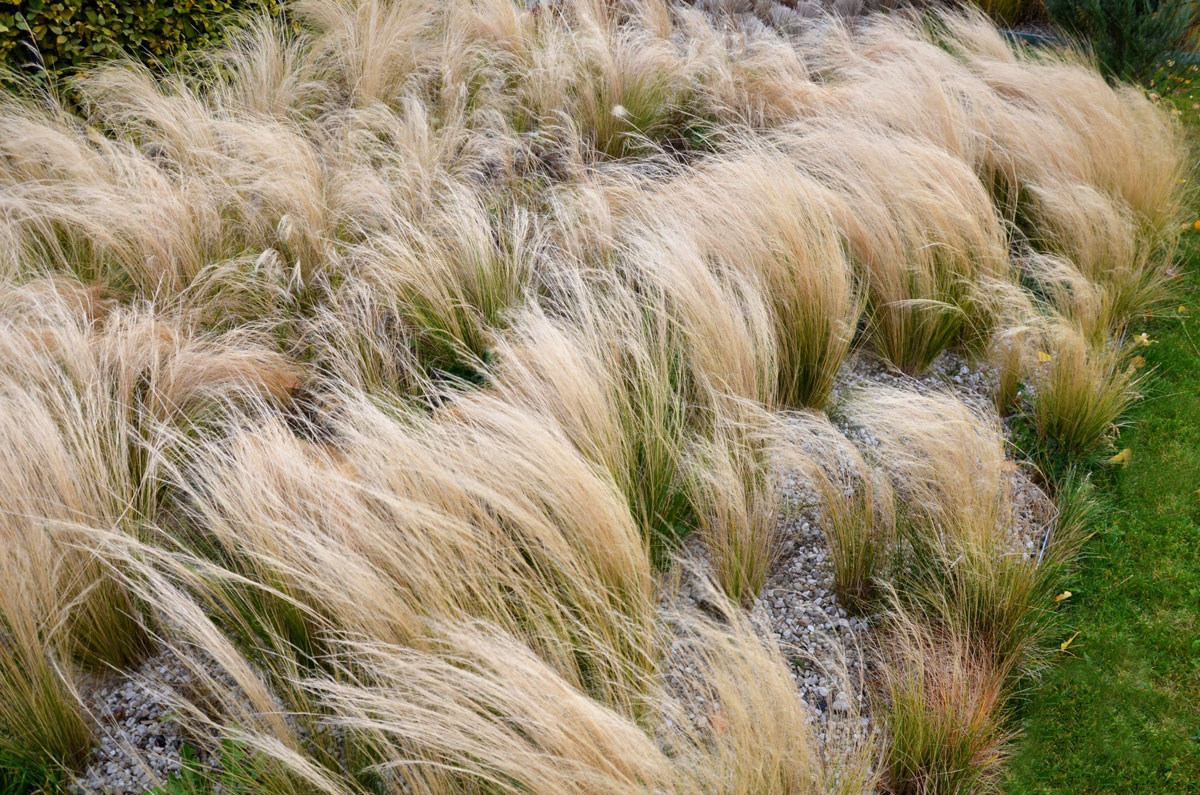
(1121, 457)
(1063, 596)
(1068, 642)
(1138, 362)
(1044, 357)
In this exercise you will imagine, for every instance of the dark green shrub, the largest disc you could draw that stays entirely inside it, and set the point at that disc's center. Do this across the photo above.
(45, 39)
(1130, 38)
(1011, 12)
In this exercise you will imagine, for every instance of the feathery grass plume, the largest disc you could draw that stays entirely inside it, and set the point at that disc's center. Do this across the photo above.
(484, 510)
(1008, 355)
(656, 376)
(919, 224)
(640, 227)
(726, 339)
(1017, 312)
(475, 705)
(1098, 236)
(616, 79)
(755, 76)
(59, 476)
(242, 698)
(589, 218)
(1119, 142)
(961, 570)
(371, 51)
(357, 341)
(46, 584)
(263, 67)
(111, 396)
(944, 706)
(1080, 389)
(947, 106)
(446, 279)
(102, 212)
(857, 508)
(973, 96)
(173, 189)
(742, 753)
(736, 502)
(754, 212)
(725, 321)
(480, 710)
(615, 374)
(947, 461)
(1059, 290)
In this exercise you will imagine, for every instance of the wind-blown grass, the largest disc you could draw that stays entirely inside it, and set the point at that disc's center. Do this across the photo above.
(378, 368)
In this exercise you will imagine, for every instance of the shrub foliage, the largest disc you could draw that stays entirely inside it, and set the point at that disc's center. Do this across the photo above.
(48, 38)
(1131, 38)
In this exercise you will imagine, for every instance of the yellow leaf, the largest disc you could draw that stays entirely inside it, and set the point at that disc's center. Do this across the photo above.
(1063, 596)
(1121, 457)
(1068, 642)
(1196, 224)
(1044, 357)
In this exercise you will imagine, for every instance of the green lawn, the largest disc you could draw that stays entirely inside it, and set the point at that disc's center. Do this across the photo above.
(1120, 712)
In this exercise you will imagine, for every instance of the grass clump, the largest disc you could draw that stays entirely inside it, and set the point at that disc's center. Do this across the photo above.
(43, 725)
(1081, 392)
(860, 529)
(856, 506)
(616, 382)
(1112, 271)
(958, 570)
(921, 230)
(736, 502)
(946, 708)
(756, 215)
